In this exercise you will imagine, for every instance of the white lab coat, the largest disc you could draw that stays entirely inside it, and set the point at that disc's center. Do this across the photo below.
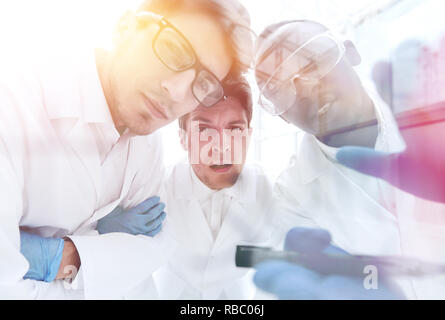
(54, 182)
(358, 210)
(203, 267)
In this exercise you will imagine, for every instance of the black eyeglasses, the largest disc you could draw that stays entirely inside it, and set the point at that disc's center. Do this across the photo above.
(176, 53)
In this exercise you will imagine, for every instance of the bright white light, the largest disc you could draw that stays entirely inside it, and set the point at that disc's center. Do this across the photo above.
(36, 26)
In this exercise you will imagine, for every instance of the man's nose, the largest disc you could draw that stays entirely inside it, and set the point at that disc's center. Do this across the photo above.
(178, 87)
(223, 149)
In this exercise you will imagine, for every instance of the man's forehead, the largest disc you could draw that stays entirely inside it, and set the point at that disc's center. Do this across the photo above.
(287, 38)
(230, 108)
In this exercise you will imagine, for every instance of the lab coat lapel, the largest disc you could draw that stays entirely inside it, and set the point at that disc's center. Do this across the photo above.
(181, 181)
(243, 217)
(108, 170)
(84, 146)
(197, 218)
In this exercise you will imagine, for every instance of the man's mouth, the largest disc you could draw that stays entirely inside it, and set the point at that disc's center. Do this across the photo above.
(154, 108)
(221, 168)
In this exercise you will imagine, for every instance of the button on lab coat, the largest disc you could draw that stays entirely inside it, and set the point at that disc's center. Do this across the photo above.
(62, 167)
(203, 267)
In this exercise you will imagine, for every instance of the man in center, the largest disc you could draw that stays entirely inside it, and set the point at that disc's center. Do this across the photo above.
(215, 203)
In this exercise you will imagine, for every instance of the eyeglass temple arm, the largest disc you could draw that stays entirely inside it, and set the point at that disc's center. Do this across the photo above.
(145, 17)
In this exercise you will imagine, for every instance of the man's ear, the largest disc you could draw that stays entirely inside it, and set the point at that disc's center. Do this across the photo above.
(183, 138)
(352, 54)
(249, 135)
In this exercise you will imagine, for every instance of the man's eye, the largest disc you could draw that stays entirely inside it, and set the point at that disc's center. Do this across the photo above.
(173, 49)
(203, 85)
(237, 130)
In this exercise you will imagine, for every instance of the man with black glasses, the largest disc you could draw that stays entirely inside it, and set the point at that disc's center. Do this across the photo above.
(74, 147)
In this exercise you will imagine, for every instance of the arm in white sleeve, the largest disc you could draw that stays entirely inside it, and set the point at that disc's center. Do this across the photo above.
(288, 209)
(13, 265)
(115, 263)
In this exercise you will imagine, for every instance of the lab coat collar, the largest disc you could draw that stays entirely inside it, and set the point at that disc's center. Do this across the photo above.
(89, 105)
(189, 187)
(389, 139)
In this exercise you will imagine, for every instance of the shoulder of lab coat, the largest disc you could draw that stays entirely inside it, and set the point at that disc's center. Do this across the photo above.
(113, 264)
(309, 162)
(253, 189)
(105, 259)
(310, 166)
(245, 223)
(149, 180)
(13, 265)
(253, 185)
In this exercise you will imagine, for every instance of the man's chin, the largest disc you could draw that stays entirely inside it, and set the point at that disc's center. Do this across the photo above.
(222, 180)
(145, 129)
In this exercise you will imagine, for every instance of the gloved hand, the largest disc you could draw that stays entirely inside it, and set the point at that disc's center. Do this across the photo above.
(419, 170)
(146, 218)
(43, 254)
(294, 282)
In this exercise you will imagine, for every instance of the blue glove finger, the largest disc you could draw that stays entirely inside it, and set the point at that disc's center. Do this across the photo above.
(290, 281)
(293, 287)
(335, 250)
(154, 232)
(152, 225)
(368, 161)
(145, 206)
(269, 277)
(153, 213)
(306, 240)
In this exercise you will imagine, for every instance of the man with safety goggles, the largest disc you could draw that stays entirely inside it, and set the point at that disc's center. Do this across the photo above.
(306, 76)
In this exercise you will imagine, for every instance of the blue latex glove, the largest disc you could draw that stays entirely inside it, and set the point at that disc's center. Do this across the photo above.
(145, 219)
(293, 282)
(43, 254)
(419, 170)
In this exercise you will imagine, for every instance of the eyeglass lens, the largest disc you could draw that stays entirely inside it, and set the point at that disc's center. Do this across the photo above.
(177, 54)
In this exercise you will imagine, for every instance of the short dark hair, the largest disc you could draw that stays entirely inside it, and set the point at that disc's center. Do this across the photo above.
(235, 87)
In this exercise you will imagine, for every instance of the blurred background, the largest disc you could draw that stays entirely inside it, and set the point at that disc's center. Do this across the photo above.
(402, 43)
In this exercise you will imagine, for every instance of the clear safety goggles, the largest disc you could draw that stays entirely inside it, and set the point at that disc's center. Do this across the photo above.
(280, 67)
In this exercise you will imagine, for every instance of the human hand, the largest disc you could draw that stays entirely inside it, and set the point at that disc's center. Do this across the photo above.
(44, 256)
(290, 281)
(419, 170)
(146, 219)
